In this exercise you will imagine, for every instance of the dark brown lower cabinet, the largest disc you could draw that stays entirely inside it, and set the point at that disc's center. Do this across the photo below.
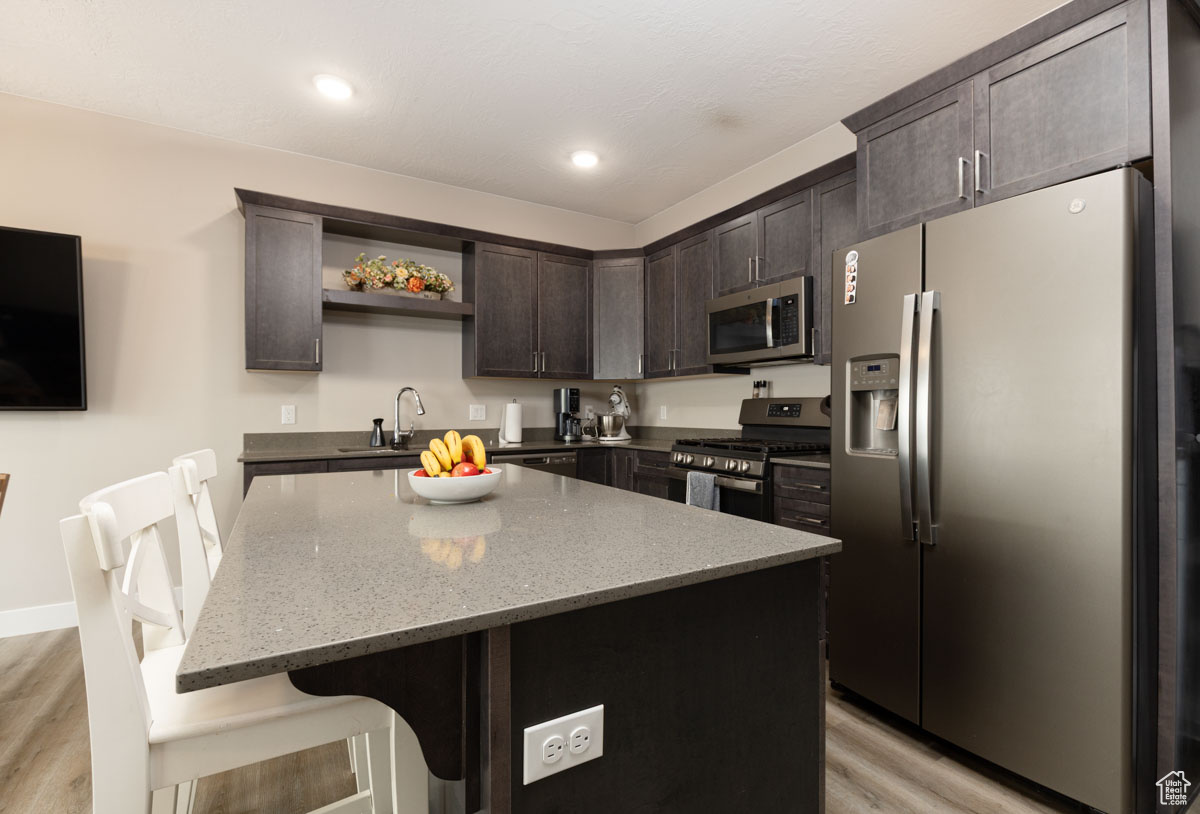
(800, 498)
(593, 465)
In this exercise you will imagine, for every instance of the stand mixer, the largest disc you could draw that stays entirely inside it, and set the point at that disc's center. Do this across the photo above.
(611, 426)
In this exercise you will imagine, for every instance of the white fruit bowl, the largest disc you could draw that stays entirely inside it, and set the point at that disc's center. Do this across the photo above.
(455, 490)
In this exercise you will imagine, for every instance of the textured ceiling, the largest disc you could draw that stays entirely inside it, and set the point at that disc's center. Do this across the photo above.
(494, 96)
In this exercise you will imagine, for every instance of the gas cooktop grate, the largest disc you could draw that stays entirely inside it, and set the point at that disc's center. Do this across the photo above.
(753, 445)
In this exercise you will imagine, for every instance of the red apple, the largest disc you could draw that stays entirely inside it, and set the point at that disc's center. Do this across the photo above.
(421, 473)
(464, 469)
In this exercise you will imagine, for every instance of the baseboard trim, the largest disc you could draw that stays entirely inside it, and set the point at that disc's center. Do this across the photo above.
(40, 618)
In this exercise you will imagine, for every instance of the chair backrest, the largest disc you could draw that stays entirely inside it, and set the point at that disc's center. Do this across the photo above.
(200, 548)
(123, 520)
(119, 575)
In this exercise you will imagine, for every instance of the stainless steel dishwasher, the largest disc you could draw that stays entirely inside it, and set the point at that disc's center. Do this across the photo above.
(556, 463)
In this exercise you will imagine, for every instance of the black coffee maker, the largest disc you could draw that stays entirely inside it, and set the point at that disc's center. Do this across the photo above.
(566, 420)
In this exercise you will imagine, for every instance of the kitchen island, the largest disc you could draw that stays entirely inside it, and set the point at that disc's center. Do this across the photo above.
(697, 631)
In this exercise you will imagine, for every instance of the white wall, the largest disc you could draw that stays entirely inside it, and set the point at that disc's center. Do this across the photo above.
(713, 402)
(820, 148)
(163, 280)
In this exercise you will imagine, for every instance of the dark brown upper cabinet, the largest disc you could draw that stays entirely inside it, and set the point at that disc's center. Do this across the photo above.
(501, 338)
(1069, 101)
(283, 289)
(660, 313)
(679, 281)
(916, 164)
(1073, 105)
(785, 239)
(834, 227)
(618, 314)
(735, 252)
(532, 314)
(693, 289)
(564, 317)
(765, 246)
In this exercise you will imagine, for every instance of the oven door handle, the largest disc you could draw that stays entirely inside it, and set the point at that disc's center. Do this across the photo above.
(737, 484)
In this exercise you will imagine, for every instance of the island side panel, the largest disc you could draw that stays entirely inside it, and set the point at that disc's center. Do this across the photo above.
(713, 698)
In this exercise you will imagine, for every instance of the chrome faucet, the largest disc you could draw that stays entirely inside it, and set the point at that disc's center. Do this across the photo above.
(400, 439)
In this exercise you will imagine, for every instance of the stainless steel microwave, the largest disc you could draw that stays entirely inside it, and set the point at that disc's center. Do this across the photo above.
(767, 325)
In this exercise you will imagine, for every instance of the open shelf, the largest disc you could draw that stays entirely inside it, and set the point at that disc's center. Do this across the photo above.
(366, 302)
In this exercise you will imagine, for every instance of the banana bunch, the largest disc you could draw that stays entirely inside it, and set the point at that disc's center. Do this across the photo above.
(446, 453)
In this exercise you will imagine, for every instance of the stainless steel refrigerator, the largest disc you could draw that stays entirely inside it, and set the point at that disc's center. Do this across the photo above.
(983, 480)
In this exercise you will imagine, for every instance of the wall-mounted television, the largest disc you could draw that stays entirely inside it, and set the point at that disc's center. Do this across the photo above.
(41, 322)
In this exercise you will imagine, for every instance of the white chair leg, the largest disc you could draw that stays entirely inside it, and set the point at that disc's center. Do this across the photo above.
(350, 750)
(359, 761)
(381, 760)
(183, 797)
(162, 801)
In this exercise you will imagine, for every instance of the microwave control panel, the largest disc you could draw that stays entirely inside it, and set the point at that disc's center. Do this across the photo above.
(789, 320)
(875, 374)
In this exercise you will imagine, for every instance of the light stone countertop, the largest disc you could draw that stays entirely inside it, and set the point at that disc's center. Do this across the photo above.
(330, 451)
(325, 567)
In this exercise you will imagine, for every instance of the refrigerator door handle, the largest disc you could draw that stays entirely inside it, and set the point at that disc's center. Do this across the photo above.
(931, 301)
(904, 419)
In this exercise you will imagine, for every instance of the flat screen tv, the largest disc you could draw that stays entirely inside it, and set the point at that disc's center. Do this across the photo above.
(41, 322)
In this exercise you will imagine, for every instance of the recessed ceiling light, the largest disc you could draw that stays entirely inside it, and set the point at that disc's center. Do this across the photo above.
(333, 87)
(585, 159)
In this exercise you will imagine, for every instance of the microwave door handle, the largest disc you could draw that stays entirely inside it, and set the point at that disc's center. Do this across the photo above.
(771, 305)
(904, 419)
(931, 302)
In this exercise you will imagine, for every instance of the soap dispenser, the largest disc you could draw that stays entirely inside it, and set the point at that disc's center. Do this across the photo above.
(377, 433)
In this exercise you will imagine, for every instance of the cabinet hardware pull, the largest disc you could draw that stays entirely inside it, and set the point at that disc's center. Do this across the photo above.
(641, 359)
(979, 156)
(543, 361)
(815, 521)
(535, 370)
(962, 176)
(317, 360)
(757, 276)
(749, 269)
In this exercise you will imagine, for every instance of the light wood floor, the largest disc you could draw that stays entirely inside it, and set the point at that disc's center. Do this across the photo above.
(873, 765)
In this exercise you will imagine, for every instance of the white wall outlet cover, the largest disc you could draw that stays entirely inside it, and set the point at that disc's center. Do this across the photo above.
(589, 411)
(662, 411)
(288, 414)
(477, 412)
(554, 746)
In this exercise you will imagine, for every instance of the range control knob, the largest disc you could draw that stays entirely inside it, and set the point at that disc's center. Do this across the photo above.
(677, 458)
(745, 466)
(731, 465)
(687, 459)
(710, 461)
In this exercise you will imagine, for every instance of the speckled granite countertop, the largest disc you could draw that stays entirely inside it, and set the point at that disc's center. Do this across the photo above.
(325, 567)
(272, 447)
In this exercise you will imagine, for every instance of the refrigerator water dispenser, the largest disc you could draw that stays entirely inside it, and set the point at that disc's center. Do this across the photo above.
(872, 401)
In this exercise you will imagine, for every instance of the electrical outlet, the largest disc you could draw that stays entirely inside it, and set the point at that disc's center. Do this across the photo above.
(589, 412)
(662, 412)
(554, 746)
(478, 412)
(581, 739)
(288, 414)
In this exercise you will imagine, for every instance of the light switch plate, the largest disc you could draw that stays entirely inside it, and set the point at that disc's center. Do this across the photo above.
(287, 415)
(478, 412)
(547, 749)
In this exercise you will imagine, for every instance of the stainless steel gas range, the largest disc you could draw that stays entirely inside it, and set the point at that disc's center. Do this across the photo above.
(771, 428)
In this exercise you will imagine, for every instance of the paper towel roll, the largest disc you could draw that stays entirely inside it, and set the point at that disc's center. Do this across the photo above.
(510, 423)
